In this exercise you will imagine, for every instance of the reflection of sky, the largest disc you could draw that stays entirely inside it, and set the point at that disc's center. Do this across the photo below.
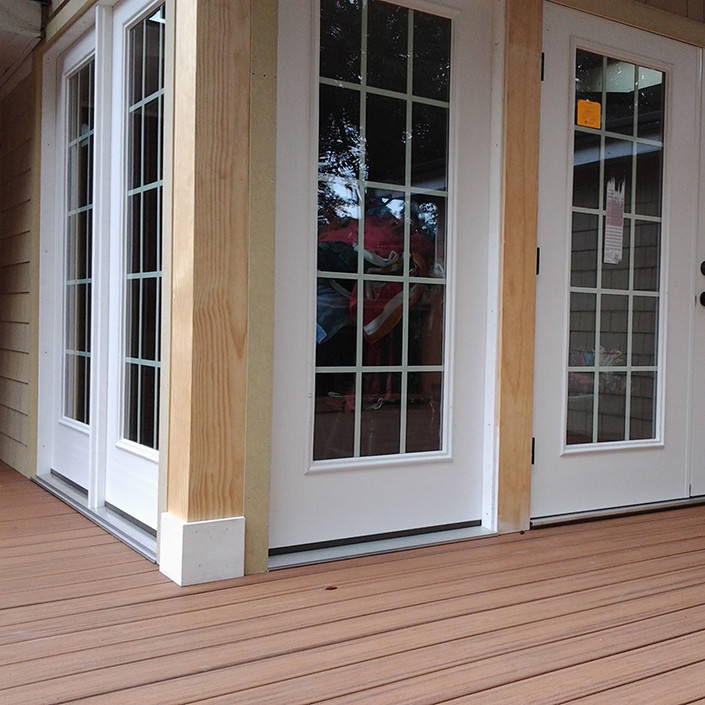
(618, 149)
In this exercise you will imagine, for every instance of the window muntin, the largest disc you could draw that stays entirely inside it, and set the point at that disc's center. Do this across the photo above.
(143, 236)
(615, 292)
(78, 229)
(384, 90)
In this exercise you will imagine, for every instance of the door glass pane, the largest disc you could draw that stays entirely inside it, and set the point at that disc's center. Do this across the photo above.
(616, 251)
(78, 244)
(143, 237)
(382, 219)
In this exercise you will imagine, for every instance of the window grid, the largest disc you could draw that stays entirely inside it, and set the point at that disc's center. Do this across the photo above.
(361, 184)
(78, 244)
(144, 202)
(602, 364)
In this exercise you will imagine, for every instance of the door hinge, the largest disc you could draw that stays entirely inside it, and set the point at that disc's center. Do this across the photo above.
(533, 450)
(543, 58)
(538, 260)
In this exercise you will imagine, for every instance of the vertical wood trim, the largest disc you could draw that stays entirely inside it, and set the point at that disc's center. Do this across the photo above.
(522, 100)
(261, 291)
(210, 259)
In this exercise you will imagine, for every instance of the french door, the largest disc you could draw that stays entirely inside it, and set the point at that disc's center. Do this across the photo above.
(383, 361)
(617, 314)
(101, 263)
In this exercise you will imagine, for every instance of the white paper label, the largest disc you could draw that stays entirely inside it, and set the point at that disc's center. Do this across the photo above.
(614, 222)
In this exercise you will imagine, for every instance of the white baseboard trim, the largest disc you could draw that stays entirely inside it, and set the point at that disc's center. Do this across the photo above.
(201, 551)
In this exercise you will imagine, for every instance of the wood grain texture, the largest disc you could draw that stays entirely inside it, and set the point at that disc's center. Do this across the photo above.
(610, 611)
(208, 371)
(522, 100)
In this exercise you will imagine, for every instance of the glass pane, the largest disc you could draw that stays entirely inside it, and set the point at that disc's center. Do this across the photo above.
(334, 428)
(426, 325)
(341, 28)
(579, 424)
(152, 142)
(614, 316)
(649, 169)
(381, 413)
(339, 132)
(386, 139)
(428, 235)
(335, 334)
(423, 429)
(651, 103)
(612, 406)
(586, 170)
(642, 421)
(431, 56)
(588, 76)
(338, 202)
(583, 270)
(429, 147)
(154, 48)
(647, 256)
(383, 303)
(620, 85)
(644, 330)
(582, 329)
(387, 43)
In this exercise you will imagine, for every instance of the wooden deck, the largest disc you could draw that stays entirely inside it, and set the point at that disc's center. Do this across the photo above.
(609, 612)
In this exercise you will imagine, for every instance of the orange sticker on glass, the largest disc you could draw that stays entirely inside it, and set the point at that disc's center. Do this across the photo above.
(589, 114)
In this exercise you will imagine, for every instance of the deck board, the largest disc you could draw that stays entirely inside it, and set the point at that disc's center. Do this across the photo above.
(610, 611)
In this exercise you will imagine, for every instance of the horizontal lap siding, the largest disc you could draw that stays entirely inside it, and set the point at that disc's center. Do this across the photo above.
(16, 185)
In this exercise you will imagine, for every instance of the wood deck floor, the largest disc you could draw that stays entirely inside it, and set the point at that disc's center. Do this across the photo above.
(609, 612)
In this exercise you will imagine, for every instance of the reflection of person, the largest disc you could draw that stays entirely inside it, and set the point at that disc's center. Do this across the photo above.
(382, 255)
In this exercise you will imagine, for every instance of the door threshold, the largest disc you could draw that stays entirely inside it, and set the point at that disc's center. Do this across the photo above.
(342, 551)
(596, 514)
(140, 539)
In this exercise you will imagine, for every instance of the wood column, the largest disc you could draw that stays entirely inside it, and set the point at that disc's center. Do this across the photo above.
(522, 104)
(209, 319)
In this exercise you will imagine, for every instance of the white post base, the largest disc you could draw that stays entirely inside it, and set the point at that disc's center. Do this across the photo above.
(201, 551)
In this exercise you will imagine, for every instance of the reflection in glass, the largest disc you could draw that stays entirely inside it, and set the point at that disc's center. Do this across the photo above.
(341, 27)
(78, 246)
(644, 330)
(647, 249)
(620, 85)
(339, 132)
(583, 270)
(431, 56)
(615, 281)
(643, 412)
(586, 170)
(612, 406)
(382, 230)
(143, 232)
(387, 44)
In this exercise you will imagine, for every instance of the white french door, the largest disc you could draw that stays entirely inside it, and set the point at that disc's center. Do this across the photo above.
(384, 269)
(100, 323)
(616, 305)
